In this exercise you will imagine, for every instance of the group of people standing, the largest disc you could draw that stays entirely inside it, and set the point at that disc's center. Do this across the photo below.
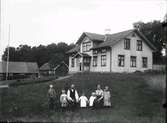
(99, 98)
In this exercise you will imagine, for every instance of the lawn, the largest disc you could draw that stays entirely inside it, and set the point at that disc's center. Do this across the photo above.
(133, 99)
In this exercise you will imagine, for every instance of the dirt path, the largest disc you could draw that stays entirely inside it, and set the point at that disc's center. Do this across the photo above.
(63, 77)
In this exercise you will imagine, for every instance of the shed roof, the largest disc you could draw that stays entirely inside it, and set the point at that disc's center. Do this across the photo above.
(45, 66)
(19, 67)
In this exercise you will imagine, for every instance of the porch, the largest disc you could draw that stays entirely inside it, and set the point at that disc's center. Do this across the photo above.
(83, 62)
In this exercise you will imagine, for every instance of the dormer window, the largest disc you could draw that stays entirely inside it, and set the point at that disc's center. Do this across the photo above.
(86, 46)
(127, 44)
(103, 51)
(94, 52)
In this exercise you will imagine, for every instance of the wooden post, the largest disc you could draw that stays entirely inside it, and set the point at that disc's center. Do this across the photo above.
(2, 94)
(164, 25)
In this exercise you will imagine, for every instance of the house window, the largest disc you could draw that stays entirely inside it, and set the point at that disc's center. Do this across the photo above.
(139, 45)
(133, 61)
(133, 35)
(127, 44)
(86, 46)
(86, 60)
(94, 52)
(72, 62)
(145, 62)
(121, 60)
(103, 60)
(94, 61)
(103, 51)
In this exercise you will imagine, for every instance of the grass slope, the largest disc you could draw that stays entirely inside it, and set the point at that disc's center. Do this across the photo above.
(134, 101)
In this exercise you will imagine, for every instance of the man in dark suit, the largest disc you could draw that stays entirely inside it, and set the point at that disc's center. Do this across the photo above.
(72, 96)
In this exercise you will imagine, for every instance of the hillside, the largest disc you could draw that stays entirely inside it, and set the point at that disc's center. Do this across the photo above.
(132, 98)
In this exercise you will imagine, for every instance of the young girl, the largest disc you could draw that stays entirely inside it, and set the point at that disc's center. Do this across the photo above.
(92, 99)
(63, 99)
(107, 97)
(83, 101)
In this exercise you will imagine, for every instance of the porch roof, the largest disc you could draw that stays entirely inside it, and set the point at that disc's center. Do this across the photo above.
(81, 54)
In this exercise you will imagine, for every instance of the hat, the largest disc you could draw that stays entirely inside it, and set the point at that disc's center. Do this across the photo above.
(51, 86)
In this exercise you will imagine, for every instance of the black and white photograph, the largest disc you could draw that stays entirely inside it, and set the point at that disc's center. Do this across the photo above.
(91, 61)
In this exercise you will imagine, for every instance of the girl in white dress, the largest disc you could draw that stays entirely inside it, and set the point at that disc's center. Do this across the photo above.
(63, 99)
(107, 97)
(92, 99)
(83, 101)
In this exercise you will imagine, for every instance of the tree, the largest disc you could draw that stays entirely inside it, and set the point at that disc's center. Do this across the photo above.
(52, 53)
(12, 52)
(153, 31)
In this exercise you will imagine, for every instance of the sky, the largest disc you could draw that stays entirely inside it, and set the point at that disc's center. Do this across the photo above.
(35, 22)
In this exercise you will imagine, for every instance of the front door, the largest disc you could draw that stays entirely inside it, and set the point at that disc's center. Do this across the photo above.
(80, 66)
(86, 63)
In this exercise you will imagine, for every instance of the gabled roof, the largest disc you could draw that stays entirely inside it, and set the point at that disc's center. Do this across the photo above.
(112, 39)
(81, 54)
(91, 36)
(142, 36)
(109, 40)
(95, 36)
(19, 67)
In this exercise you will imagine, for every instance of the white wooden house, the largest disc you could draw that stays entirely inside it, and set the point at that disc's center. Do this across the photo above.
(126, 51)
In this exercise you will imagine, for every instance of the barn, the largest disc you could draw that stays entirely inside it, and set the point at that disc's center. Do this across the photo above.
(60, 69)
(18, 70)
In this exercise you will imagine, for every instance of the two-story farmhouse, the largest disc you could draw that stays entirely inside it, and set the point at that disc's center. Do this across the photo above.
(126, 51)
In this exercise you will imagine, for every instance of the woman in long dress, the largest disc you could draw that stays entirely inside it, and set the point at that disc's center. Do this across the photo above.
(99, 97)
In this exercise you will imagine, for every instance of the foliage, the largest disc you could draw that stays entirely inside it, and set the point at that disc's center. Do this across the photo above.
(153, 31)
(53, 53)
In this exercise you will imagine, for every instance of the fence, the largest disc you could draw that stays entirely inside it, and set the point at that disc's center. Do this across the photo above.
(159, 67)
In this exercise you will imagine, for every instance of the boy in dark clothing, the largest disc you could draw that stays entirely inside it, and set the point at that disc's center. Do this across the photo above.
(51, 97)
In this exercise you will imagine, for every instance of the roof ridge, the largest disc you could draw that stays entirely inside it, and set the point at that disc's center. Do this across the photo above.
(93, 33)
(121, 32)
(16, 62)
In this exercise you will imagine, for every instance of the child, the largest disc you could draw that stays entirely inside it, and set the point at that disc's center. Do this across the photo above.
(51, 97)
(83, 101)
(107, 97)
(92, 99)
(63, 99)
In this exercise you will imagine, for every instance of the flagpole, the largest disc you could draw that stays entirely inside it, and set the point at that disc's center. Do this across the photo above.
(7, 63)
(0, 23)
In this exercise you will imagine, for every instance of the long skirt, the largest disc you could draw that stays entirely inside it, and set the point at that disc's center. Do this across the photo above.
(97, 103)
